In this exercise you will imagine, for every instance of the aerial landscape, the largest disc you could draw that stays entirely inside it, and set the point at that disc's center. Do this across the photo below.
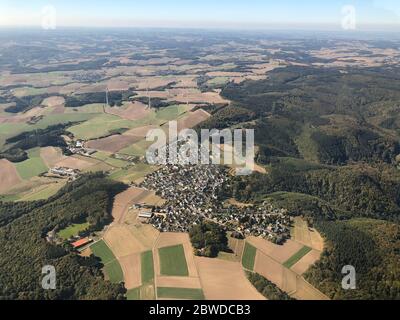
(79, 194)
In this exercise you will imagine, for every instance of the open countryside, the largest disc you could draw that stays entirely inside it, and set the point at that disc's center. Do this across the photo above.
(77, 190)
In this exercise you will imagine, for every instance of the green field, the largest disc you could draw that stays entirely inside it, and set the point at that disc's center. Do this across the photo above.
(32, 167)
(133, 173)
(133, 294)
(106, 157)
(147, 265)
(8, 130)
(102, 125)
(249, 256)
(111, 265)
(137, 149)
(171, 113)
(89, 108)
(99, 126)
(101, 250)
(114, 271)
(218, 81)
(33, 191)
(43, 193)
(180, 293)
(73, 230)
(173, 261)
(297, 257)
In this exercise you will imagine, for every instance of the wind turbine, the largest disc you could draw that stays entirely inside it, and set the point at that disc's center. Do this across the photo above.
(107, 101)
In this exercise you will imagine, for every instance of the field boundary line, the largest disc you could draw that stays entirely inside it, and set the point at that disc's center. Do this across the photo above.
(154, 251)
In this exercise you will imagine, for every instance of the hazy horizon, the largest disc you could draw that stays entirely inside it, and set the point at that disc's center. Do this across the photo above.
(370, 15)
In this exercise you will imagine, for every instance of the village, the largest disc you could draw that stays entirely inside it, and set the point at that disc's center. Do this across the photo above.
(193, 194)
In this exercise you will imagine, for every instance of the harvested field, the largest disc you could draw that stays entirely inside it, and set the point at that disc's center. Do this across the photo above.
(122, 242)
(225, 74)
(9, 177)
(286, 279)
(118, 85)
(131, 267)
(200, 97)
(145, 234)
(279, 253)
(225, 280)
(52, 102)
(305, 291)
(147, 292)
(130, 111)
(180, 293)
(51, 156)
(124, 200)
(270, 269)
(178, 282)
(317, 242)
(86, 253)
(75, 162)
(192, 119)
(140, 131)
(113, 143)
(237, 246)
(306, 262)
(307, 236)
(58, 110)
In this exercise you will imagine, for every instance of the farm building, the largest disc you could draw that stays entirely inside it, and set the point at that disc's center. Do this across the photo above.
(80, 243)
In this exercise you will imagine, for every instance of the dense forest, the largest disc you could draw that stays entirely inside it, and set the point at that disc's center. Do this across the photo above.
(323, 115)
(372, 247)
(208, 239)
(24, 104)
(329, 141)
(25, 250)
(352, 190)
(267, 288)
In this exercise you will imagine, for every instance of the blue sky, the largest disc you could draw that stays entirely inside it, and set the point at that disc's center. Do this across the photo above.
(200, 13)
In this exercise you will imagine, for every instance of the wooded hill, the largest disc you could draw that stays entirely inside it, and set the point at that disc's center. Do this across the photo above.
(25, 250)
(329, 140)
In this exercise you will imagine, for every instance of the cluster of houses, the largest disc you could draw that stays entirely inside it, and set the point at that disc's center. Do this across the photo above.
(190, 192)
(65, 172)
(257, 220)
(78, 147)
(193, 195)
